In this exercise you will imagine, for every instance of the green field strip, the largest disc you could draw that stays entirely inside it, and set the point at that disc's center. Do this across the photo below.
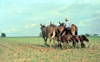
(9, 47)
(1, 49)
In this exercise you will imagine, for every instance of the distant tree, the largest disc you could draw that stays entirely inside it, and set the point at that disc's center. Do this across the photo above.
(95, 34)
(87, 35)
(3, 35)
(40, 34)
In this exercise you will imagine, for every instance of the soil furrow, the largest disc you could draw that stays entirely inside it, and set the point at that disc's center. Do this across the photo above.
(13, 46)
(5, 53)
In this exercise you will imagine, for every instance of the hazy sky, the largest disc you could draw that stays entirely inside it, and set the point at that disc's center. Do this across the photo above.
(23, 17)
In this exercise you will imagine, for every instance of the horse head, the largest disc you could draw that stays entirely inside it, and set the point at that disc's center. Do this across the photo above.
(42, 26)
(52, 24)
(61, 24)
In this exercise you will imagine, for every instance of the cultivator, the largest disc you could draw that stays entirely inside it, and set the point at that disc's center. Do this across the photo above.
(73, 38)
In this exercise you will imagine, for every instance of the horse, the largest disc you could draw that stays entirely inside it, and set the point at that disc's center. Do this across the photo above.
(47, 32)
(51, 33)
(60, 28)
(55, 32)
(44, 33)
(74, 29)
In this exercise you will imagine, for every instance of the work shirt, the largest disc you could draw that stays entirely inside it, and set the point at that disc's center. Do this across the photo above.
(67, 24)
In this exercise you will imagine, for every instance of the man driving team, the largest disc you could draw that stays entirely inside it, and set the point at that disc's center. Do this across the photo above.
(67, 26)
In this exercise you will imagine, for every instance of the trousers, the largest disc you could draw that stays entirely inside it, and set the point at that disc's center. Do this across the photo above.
(67, 31)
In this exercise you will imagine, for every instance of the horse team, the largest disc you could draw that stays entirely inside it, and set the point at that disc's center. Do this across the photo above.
(53, 31)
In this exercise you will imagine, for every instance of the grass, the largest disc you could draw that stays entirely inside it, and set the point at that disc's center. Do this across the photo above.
(1, 50)
(8, 47)
(32, 49)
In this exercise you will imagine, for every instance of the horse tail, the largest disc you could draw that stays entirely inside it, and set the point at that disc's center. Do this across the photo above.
(53, 31)
(76, 30)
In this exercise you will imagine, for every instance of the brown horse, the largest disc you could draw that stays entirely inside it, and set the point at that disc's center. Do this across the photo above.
(74, 29)
(51, 33)
(60, 28)
(47, 32)
(55, 32)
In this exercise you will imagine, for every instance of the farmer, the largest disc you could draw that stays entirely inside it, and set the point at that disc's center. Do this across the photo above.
(67, 26)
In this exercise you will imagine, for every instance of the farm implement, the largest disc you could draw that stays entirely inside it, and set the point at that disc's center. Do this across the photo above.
(73, 38)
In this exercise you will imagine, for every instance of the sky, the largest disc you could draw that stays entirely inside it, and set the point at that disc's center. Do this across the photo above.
(23, 17)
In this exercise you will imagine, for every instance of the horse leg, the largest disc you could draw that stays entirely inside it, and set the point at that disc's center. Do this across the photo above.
(44, 40)
(54, 41)
(50, 43)
(74, 44)
(50, 39)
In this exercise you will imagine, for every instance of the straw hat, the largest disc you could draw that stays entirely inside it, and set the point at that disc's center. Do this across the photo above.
(66, 19)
